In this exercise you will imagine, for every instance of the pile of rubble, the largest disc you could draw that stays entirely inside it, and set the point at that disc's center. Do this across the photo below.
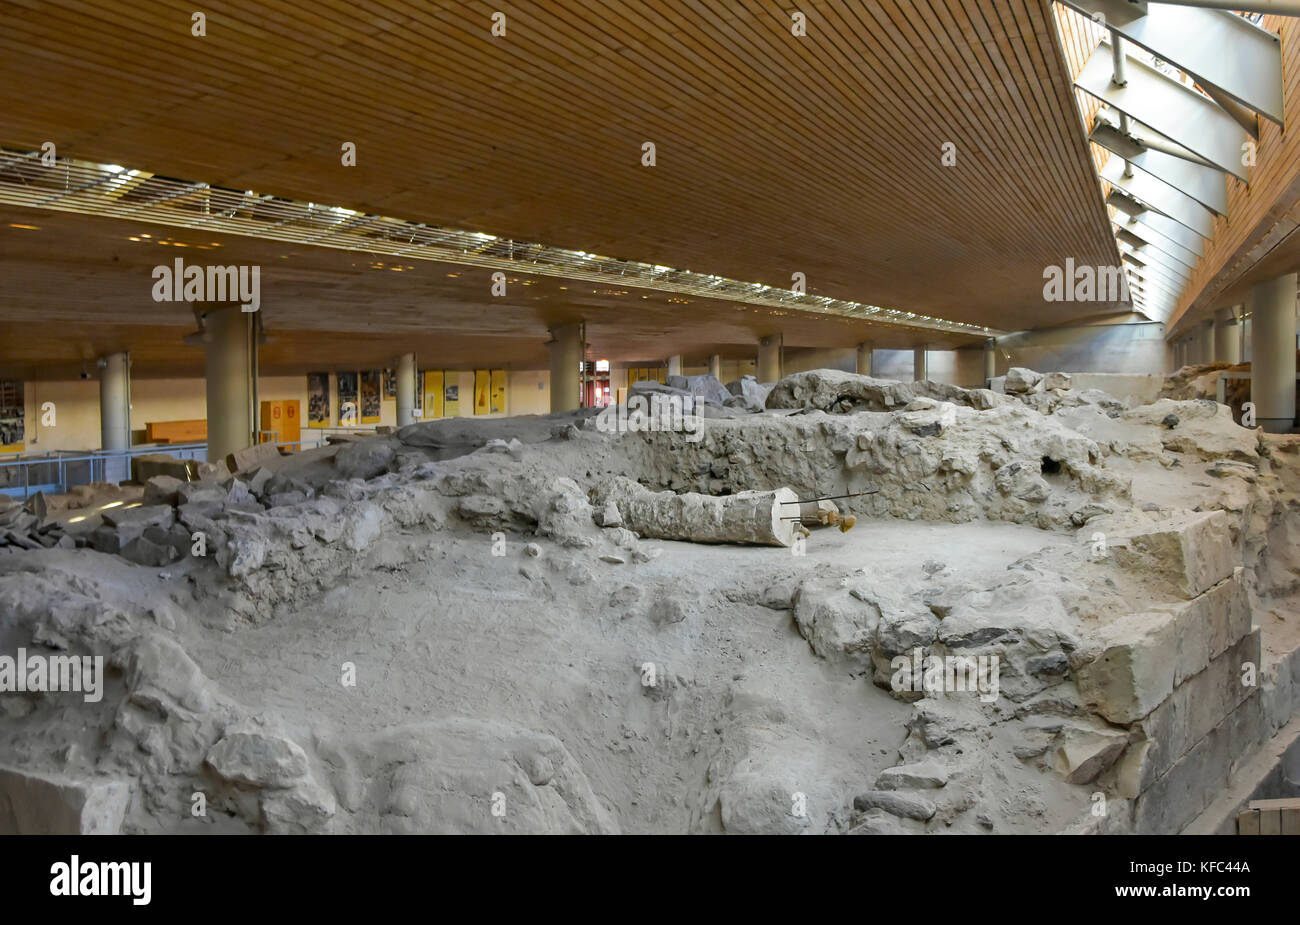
(23, 526)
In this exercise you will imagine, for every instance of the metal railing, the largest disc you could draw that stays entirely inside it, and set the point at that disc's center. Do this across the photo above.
(59, 471)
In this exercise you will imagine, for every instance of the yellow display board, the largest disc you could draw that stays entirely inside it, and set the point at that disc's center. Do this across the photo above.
(498, 391)
(482, 389)
(646, 373)
(433, 393)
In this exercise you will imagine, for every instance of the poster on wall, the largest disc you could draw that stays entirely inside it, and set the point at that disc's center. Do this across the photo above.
(480, 391)
(371, 406)
(432, 393)
(498, 402)
(318, 399)
(348, 408)
(390, 383)
(13, 417)
(451, 395)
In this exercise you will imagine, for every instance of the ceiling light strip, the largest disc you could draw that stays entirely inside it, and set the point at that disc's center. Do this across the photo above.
(109, 191)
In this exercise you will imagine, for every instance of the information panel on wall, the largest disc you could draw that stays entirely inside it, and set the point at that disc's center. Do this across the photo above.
(318, 399)
(13, 417)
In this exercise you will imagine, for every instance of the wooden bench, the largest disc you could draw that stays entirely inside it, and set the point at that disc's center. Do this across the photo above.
(176, 431)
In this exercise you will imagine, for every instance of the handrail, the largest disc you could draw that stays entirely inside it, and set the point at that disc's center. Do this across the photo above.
(98, 461)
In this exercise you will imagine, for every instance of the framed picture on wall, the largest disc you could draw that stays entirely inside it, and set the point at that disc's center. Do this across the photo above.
(371, 403)
(451, 394)
(498, 386)
(13, 417)
(433, 396)
(481, 391)
(349, 409)
(318, 399)
(390, 383)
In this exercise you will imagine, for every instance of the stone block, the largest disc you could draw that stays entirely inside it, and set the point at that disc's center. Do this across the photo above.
(162, 489)
(36, 803)
(1281, 690)
(141, 516)
(1196, 707)
(1209, 623)
(1190, 553)
(145, 467)
(1182, 793)
(1084, 754)
(252, 456)
(1134, 670)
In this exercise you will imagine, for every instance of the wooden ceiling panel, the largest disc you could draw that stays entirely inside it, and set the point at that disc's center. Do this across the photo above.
(775, 154)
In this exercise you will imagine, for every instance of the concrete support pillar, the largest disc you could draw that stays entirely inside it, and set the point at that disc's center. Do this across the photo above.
(1227, 337)
(1171, 356)
(990, 359)
(769, 358)
(406, 377)
(865, 350)
(231, 375)
(1205, 341)
(675, 365)
(1273, 366)
(566, 359)
(920, 364)
(115, 402)
(715, 367)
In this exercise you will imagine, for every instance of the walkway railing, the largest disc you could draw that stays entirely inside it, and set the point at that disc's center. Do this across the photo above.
(59, 471)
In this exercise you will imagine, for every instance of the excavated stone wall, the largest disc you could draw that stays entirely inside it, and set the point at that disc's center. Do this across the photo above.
(1142, 545)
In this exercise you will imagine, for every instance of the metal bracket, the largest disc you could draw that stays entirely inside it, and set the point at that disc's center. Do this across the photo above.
(1217, 48)
(1179, 112)
(1162, 197)
(1203, 184)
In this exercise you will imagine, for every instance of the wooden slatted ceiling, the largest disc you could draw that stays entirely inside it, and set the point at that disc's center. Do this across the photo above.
(75, 287)
(776, 154)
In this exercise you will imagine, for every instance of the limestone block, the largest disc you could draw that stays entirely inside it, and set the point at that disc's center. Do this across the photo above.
(1214, 693)
(252, 456)
(1209, 623)
(1281, 690)
(1019, 379)
(1180, 794)
(1190, 553)
(1195, 707)
(146, 466)
(1134, 670)
(162, 489)
(1083, 754)
(35, 803)
(142, 516)
(1183, 792)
